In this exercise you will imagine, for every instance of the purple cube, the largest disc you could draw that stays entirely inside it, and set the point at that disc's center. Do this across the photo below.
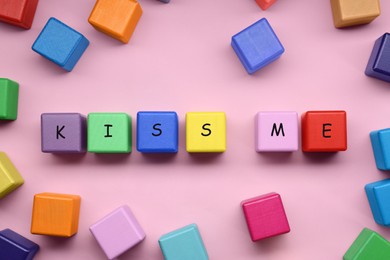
(276, 131)
(63, 133)
(379, 62)
(117, 232)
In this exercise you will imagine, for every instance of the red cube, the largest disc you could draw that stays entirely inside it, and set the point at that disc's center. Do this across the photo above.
(18, 12)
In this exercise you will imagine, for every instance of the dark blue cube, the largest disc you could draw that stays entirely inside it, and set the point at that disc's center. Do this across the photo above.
(16, 247)
(157, 132)
(379, 63)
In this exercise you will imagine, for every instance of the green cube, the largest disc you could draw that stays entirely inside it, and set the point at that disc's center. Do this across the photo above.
(109, 133)
(369, 245)
(9, 95)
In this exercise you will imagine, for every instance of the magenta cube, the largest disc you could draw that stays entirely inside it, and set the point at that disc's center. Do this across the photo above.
(265, 216)
(117, 232)
(276, 131)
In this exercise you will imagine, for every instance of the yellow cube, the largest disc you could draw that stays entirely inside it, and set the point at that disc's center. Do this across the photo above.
(10, 178)
(206, 132)
(354, 12)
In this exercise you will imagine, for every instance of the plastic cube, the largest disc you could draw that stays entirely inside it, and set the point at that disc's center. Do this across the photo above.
(18, 12)
(380, 141)
(10, 178)
(379, 62)
(16, 247)
(265, 4)
(9, 96)
(378, 195)
(60, 44)
(354, 12)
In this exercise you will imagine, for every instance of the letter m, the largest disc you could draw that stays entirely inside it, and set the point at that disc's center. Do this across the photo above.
(277, 130)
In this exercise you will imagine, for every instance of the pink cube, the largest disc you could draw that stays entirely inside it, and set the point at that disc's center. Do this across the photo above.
(265, 216)
(276, 131)
(117, 232)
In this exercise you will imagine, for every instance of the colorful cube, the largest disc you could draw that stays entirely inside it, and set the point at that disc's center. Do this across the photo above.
(380, 141)
(63, 133)
(183, 244)
(117, 232)
(257, 46)
(109, 133)
(157, 132)
(116, 18)
(369, 245)
(16, 247)
(265, 4)
(265, 216)
(276, 132)
(379, 62)
(324, 131)
(18, 12)
(60, 44)
(378, 195)
(354, 12)
(55, 214)
(9, 96)
(205, 132)
(10, 178)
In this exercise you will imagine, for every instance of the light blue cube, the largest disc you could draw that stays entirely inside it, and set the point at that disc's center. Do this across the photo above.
(380, 141)
(378, 194)
(257, 46)
(60, 44)
(183, 244)
(157, 132)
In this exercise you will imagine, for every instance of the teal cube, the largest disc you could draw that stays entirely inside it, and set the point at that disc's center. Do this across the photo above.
(9, 96)
(378, 195)
(380, 141)
(183, 244)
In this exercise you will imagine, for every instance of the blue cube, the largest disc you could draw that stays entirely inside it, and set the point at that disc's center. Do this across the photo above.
(157, 132)
(183, 244)
(380, 141)
(60, 44)
(379, 63)
(378, 194)
(257, 46)
(16, 247)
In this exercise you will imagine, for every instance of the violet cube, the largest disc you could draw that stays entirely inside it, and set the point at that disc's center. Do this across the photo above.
(63, 133)
(117, 232)
(16, 247)
(379, 62)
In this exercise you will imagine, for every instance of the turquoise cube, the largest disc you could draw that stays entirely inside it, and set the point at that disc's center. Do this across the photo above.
(380, 141)
(378, 194)
(183, 244)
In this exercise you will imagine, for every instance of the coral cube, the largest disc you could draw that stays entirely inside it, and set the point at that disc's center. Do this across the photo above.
(157, 132)
(183, 244)
(378, 195)
(60, 44)
(276, 131)
(378, 65)
(265, 4)
(257, 46)
(9, 96)
(10, 178)
(116, 18)
(354, 12)
(117, 232)
(380, 141)
(16, 247)
(324, 131)
(55, 214)
(18, 12)
(63, 133)
(265, 216)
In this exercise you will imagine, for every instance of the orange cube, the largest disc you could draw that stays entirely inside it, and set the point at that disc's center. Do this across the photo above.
(55, 214)
(116, 18)
(324, 131)
(264, 4)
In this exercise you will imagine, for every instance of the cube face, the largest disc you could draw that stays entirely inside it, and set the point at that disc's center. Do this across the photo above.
(55, 214)
(16, 247)
(9, 97)
(276, 131)
(205, 132)
(378, 195)
(117, 232)
(63, 133)
(183, 244)
(109, 133)
(378, 63)
(257, 46)
(324, 131)
(157, 132)
(265, 4)
(60, 44)
(265, 216)
(116, 18)
(367, 246)
(354, 12)
(18, 12)
(10, 178)
(380, 141)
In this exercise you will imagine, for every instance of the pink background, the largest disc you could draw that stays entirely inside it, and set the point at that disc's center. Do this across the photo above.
(180, 59)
